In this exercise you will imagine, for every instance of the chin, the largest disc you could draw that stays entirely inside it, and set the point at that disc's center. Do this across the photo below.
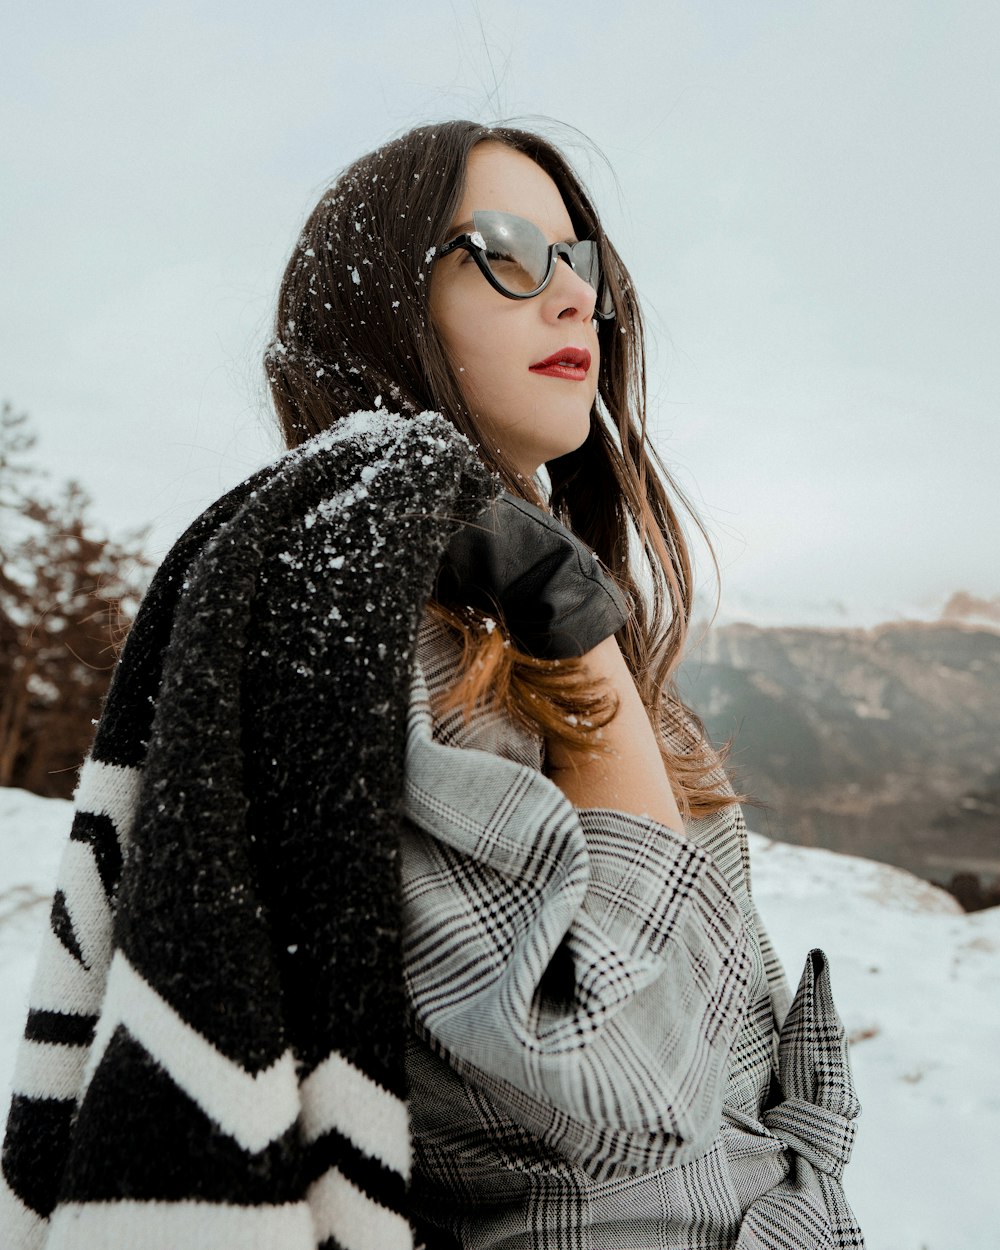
(583, 431)
(568, 446)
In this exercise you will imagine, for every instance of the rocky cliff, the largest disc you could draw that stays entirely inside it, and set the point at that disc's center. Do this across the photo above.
(883, 742)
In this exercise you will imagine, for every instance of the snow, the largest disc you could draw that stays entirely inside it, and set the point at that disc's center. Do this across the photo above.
(32, 834)
(917, 984)
(916, 980)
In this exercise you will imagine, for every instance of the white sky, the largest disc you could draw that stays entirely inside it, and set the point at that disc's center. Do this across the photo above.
(805, 192)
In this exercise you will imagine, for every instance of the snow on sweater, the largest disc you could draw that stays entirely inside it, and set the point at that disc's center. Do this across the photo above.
(213, 1055)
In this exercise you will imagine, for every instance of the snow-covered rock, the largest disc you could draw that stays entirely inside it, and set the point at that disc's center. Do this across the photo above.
(917, 982)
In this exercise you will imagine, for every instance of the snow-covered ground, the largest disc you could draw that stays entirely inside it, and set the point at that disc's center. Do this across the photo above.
(916, 980)
(917, 984)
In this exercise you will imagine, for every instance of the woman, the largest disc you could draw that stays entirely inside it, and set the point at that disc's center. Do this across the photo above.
(394, 797)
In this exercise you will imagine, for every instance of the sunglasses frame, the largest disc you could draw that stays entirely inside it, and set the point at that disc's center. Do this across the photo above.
(474, 243)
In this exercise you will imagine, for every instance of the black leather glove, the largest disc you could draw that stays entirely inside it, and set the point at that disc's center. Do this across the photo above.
(551, 590)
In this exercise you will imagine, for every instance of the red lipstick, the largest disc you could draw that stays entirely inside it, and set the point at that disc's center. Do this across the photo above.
(569, 362)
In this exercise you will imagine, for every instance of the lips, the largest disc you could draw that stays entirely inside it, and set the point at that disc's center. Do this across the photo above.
(575, 359)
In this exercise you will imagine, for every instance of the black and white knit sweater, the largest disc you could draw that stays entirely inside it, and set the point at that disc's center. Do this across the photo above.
(214, 1051)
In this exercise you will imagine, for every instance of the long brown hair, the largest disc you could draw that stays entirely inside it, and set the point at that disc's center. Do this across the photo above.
(353, 332)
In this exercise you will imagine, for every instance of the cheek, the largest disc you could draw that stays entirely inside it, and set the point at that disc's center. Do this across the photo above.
(464, 358)
(458, 323)
(476, 352)
(487, 346)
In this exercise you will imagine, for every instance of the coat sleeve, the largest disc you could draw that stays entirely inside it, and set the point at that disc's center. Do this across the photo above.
(588, 968)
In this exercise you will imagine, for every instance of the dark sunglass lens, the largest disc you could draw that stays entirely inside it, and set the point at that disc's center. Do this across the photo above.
(516, 251)
(587, 263)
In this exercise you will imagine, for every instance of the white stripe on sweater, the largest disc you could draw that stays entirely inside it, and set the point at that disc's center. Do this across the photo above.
(49, 1070)
(337, 1095)
(169, 1225)
(21, 1226)
(109, 790)
(62, 983)
(255, 1109)
(86, 903)
(342, 1211)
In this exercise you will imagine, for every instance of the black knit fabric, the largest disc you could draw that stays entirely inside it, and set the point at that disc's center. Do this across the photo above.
(260, 704)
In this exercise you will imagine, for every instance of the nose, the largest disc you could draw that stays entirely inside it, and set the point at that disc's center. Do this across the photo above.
(568, 296)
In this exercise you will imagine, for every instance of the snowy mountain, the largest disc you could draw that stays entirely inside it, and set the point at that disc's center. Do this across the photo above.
(917, 982)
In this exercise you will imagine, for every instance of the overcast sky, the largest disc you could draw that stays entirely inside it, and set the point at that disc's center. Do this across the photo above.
(805, 192)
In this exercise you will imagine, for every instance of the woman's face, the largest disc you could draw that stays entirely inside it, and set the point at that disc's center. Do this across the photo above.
(492, 342)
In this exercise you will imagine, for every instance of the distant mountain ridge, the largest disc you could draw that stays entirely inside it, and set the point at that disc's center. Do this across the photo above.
(881, 742)
(972, 610)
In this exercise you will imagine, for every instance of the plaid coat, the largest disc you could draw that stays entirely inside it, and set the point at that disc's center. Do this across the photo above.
(603, 1050)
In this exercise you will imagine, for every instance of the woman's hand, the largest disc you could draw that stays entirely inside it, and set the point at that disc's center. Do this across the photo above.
(632, 778)
(555, 598)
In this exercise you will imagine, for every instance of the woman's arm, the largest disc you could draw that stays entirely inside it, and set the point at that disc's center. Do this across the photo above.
(633, 778)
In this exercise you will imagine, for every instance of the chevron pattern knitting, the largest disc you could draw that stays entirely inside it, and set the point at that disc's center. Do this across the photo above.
(213, 1055)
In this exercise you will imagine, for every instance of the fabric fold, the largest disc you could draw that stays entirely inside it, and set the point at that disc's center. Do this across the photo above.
(814, 1119)
(816, 1116)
